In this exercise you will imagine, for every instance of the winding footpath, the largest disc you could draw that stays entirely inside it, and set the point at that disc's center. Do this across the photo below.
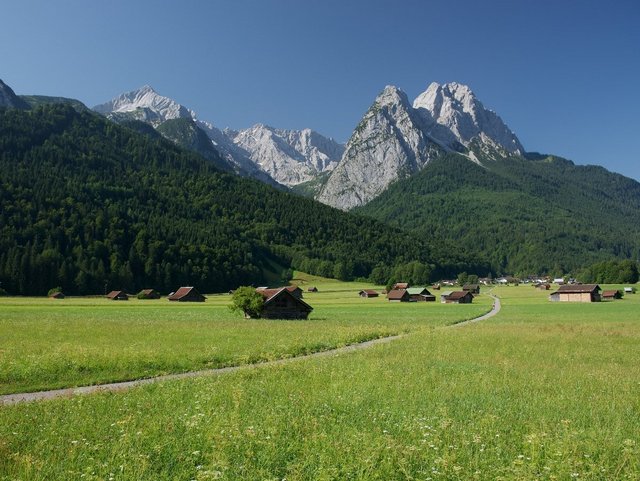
(9, 399)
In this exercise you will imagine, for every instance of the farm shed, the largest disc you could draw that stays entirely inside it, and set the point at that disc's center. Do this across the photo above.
(283, 304)
(295, 291)
(458, 297)
(611, 295)
(472, 288)
(543, 287)
(118, 296)
(576, 293)
(630, 290)
(400, 285)
(398, 295)
(420, 294)
(149, 294)
(368, 293)
(312, 289)
(187, 294)
(57, 295)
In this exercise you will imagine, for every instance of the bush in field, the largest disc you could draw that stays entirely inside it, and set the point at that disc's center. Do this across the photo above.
(245, 299)
(54, 290)
(3, 292)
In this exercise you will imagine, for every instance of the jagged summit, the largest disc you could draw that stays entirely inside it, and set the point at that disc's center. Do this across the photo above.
(396, 139)
(452, 114)
(387, 144)
(155, 107)
(275, 156)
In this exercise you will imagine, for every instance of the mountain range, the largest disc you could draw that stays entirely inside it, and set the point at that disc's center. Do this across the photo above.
(276, 156)
(443, 168)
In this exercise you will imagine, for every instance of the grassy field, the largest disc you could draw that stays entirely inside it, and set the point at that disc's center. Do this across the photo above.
(47, 344)
(541, 391)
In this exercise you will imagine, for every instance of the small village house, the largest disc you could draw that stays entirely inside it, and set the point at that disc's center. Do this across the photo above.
(576, 293)
(420, 294)
(368, 293)
(118, 296)
(281, 303)
(187, 294)
(398, 295)
(457, 297)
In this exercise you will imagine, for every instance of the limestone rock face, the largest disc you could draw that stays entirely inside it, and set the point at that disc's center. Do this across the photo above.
(387, 144)
(145, 104)
(453, 115)
(290, 157)
(396, 139)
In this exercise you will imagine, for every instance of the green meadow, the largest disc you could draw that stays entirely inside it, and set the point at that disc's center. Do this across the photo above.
(48, 344)
(541, 391)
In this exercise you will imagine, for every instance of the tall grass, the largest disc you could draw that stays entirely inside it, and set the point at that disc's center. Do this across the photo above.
(542, 391)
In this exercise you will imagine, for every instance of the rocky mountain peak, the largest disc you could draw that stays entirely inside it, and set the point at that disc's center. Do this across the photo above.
(453, 115)
(147, 104)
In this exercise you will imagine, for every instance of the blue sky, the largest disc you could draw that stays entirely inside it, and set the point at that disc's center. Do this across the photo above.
(563, 74)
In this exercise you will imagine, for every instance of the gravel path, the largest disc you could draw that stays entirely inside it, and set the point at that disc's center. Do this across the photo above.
(9, 399)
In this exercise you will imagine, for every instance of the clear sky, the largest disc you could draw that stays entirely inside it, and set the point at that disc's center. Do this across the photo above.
(563, 74)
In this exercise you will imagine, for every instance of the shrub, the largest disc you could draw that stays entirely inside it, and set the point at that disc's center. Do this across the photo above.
(53, 290)
(248, 301)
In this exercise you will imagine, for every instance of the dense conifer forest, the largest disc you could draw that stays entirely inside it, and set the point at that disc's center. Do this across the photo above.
(542, 214)
(89, 205)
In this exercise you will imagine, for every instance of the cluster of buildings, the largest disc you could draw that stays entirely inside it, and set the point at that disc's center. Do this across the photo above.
(402, 292)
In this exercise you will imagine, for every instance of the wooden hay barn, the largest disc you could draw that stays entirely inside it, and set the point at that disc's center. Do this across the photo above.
(400, 285)
(187, 294)
(312, 289)
(472, 288)
(577, 293)
(149, 294)
(611, 295)
(57, 295)
(398, 295)
(420, 294)
(457, 297)
(118, 296)
(283, 304)
(368, 293)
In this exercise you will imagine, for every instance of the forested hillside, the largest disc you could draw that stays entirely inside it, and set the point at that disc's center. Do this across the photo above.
(535, 215)
(91, 205)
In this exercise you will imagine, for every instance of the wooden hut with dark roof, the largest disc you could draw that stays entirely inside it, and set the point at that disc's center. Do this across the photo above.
(118, 296)
(57, 295)
(458, 297)
(187, 294)
(611, 295)
(282, 303)
(472, 288)
(398, 295)
(420, 294)
(148, 294)
(368, 293)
